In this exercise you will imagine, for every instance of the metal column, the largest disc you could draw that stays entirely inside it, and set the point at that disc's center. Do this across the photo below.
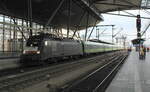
(22, 43)
(87, 23)
(3, 44)
(36, 28)
(30, 15)
(112, 34)
(14, 37)
(69, 17)
(10, 34)
(92, 30)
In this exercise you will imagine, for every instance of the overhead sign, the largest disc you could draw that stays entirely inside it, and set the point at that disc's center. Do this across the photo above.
(137, 41)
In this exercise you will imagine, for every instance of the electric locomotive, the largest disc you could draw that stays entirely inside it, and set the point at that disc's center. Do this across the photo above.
(49, 47)
(42, 47)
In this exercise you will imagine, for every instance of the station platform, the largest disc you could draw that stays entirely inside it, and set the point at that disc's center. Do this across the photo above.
(9, 60)
(9, 55)
(134, 76)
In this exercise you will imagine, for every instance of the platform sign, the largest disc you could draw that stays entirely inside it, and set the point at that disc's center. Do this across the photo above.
(138, 41)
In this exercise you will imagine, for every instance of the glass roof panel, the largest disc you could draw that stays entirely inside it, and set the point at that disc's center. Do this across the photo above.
(145, 3)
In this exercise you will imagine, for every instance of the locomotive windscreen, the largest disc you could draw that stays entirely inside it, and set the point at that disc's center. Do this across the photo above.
(34, 41)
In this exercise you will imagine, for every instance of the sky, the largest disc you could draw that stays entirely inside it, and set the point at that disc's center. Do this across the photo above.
(125, 25)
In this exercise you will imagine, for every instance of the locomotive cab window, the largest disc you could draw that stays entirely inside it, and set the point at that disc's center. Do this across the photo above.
(34, 41)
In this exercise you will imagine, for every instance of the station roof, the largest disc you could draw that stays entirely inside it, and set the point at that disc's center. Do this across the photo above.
(55, 12)
(116, 5)
(43, 10)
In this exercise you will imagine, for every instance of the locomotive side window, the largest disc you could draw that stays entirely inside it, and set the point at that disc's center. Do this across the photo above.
(34, 41)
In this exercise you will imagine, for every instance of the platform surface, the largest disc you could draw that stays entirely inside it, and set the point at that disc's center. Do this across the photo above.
(9, 55)
(134, 76)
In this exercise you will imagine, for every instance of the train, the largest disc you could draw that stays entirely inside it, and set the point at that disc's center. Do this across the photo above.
(48, 47)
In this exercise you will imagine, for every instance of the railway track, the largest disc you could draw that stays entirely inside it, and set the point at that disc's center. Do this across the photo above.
(98, 80)
(22, 80)
(18, 69)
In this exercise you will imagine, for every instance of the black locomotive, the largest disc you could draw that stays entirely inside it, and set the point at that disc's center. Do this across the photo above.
(48, 47)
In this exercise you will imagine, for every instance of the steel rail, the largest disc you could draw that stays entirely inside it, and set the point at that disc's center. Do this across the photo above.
(98, 89)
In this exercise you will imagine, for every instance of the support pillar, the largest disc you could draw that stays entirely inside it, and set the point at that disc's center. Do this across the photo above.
(69, 17)
(3, 44)
(14, 37)
(10, 35)
(22, 43)
(87, 23)
(112, 34)
(30, 15)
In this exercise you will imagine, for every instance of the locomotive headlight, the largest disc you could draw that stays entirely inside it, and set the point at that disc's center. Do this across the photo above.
(46, 43)
(24, 52)
(38, 52)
